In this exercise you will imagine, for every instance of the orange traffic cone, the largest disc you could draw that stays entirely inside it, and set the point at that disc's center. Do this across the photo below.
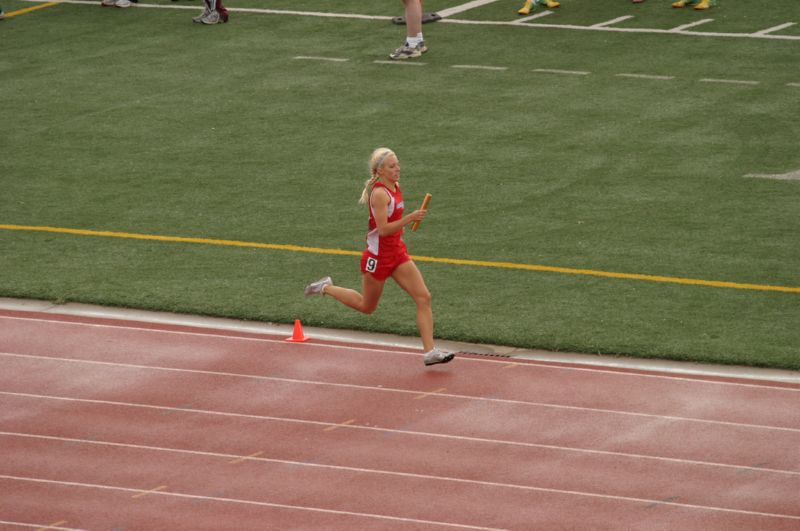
(297, 334)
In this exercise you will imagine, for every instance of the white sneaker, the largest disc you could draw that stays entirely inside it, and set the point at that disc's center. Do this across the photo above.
(318, 287)
(199, 18)
(406, 51)
(122, 3)
(212, 17)
(438, 356)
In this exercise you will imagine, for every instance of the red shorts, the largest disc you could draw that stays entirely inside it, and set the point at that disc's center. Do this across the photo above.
(382, 267)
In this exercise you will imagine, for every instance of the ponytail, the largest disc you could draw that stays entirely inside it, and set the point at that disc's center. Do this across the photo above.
(376, 160)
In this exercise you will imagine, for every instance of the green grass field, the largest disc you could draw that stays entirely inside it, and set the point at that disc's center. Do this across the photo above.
(139, 121)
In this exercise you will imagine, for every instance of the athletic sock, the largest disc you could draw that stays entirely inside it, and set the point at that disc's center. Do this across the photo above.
(413, 42)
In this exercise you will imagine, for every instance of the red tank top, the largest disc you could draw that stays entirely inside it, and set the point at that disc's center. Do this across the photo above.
(386, 245)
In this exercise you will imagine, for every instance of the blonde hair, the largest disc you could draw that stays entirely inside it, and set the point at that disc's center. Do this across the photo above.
(376, 160)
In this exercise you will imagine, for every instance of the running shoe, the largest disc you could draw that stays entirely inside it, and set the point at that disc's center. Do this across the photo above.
(408, 52)
(318, 287)
(199, 18)
(213, 17)
(705, 4)
(684, 3)
(438, 356)
(548, 3)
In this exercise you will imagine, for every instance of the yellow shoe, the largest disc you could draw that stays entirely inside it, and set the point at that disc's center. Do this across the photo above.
(548, 3)
(526, 9)
(703, 4)
(679, 3)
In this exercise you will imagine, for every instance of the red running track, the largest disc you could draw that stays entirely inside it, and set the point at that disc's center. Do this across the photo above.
(111, 424)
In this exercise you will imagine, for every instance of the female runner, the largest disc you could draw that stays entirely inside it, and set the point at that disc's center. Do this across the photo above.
(386, 255)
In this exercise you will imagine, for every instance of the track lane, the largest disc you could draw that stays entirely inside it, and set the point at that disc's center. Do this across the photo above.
(421, 499)
(202, 350)
(754, 489)
(534, 430)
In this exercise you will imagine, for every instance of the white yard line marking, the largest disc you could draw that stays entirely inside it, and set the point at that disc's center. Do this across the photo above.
(456, 21)
(627, 30)
(691, 25)
(321, 14)
(791, 176)
(410, 433)
(238, 501)
(479, 67)
(775, 28)
(565, 72)
(408, 391)
(444, 13)
(730, 81)
(316, 58)
(422, 476)
(611, 22)
(146, 329)
(532, 17)
(793, 84)
(646, 76)
(405, 62)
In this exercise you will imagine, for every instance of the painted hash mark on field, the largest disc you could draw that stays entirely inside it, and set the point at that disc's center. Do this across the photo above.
(608, 26)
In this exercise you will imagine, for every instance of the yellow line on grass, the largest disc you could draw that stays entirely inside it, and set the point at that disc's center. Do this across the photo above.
(29, 9)
(453, 261)
(180, 239)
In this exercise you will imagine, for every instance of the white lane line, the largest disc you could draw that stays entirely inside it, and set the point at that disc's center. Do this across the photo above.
(775, 28)
(317, 58)
(151, 491)
(608, 23)
(372, 388)
(479, 67)
(730, 81)
(38, 526)
(532, 17)
(444, 13)
(206, 334)
(394, 518)
(234, 461)
(541, 360)
(336, 426)
(793, 84)
(401, 62)
(236, 501)
(691, 25)
(646, 76)
(410, 433)
(147, 329)
(791, 176)
(565, 72)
